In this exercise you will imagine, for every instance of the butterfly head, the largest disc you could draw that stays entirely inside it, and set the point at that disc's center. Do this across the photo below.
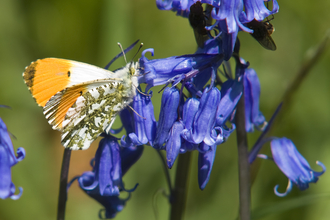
(133, 68)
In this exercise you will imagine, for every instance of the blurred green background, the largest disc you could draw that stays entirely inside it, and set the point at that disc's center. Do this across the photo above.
(88, 31)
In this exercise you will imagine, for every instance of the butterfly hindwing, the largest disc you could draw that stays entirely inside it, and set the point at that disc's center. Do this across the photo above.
(93, 113)
(58, 105)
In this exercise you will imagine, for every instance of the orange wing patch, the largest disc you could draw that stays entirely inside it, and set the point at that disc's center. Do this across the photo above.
(58, 106)
(46, 77)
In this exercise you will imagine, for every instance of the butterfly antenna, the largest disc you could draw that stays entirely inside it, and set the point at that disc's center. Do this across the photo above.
(141, 45)
(121, 54)
(122, 50)
(136, 112)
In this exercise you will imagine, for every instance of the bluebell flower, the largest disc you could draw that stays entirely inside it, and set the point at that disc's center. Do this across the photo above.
(231, 92)
(212, 47)
(129, 156)
(204, 120)
(253, 116)
(189, 111)
(104, 182)
(195, 125)
(108, 166)
(167, 116)
(173, 143)
(293, 165)
(141, 127)
(7, 160)
(205, 164)
(227, 21)
(167, 70)
(201, 125)
(181, 7)
(257, 10)
(197, 130)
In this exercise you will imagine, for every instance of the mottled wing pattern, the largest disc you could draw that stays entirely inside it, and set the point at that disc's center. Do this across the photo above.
(79, 99)
(57, 107)
(92, 113)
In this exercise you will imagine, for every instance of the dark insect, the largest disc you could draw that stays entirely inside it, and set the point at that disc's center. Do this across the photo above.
(262, 31)
(198, 21)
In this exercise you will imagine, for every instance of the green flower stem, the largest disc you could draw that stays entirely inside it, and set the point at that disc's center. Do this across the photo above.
(243, 163)
(62, 196)
(179, 193)
(167, 174)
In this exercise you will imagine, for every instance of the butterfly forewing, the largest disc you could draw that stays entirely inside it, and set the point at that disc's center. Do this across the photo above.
(79, 99)
(46, 77)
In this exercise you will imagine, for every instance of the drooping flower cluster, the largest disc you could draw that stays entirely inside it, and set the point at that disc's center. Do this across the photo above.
(104, 182)
(8, 160)
(199, 115)
(207, 118)
(198, 123)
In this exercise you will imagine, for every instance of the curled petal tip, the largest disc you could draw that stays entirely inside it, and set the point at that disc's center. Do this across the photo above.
(288, 189)
(15, 197)
(323, 167)
(151, 50)
(20, 153)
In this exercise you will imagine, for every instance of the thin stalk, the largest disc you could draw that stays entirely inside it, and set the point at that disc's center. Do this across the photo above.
(312, 57)
(167, 174)
(243, 163)
(62, 196)
(179, 193)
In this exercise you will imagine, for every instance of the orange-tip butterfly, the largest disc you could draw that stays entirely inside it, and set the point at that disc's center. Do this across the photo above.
(79, 99)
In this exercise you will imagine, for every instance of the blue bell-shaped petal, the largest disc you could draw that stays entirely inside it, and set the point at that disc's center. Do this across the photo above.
(144, 120)
(205, 164)
(204, 119)
(164, 71)
(173, 144)
(231, 92)
(227, 16)
(253, 117)
(256, 9)
(167, 116)
(7, 160)
(129, 156)
(293, 165)
(108, 166)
